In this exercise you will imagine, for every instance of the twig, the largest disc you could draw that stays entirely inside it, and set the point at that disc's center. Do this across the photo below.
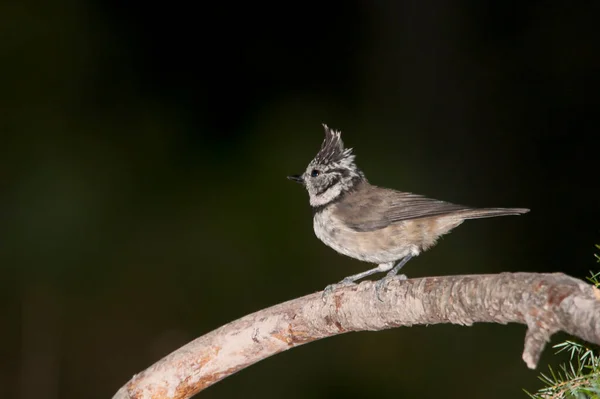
(546, 303)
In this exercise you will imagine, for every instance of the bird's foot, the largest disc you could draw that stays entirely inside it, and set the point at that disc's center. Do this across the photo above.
(329, 289)
(379, 285)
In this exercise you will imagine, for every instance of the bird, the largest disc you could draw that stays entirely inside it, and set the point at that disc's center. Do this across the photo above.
(374, 224)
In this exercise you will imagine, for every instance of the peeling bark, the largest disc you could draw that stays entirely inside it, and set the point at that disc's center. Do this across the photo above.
(546, 303)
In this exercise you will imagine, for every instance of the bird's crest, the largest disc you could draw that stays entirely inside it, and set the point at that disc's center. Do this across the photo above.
(332, 150)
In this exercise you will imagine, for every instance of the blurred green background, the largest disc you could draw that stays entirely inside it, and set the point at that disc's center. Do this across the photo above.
(143, 195)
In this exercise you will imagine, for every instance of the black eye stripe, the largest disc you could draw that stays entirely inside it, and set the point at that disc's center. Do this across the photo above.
(342, 171)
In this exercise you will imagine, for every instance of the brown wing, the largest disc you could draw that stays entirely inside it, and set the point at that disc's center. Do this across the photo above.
(372, 208)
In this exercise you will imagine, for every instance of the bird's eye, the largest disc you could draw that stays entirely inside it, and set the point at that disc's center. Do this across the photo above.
(315, 173)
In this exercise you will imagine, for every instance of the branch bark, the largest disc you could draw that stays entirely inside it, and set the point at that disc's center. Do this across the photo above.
(546, 303)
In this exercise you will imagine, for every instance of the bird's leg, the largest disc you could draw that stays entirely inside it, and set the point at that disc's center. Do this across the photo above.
(399, 266)
(351, 279)
(392, 273)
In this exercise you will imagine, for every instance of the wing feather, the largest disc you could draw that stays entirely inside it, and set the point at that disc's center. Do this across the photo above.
(373, 208)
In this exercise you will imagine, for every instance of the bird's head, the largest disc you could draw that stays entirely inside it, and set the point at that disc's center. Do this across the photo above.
(331, 173)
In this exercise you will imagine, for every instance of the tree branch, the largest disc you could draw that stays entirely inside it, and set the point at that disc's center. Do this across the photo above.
(546, 303)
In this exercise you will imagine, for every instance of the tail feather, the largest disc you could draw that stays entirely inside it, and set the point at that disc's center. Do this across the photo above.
(491, 212)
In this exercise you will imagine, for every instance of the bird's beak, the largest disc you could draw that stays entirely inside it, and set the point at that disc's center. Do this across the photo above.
(296, 178)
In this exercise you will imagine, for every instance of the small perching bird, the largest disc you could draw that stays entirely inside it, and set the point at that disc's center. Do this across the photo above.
(375, 224)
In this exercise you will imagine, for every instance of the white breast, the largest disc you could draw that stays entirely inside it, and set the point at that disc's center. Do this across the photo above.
(379, 246)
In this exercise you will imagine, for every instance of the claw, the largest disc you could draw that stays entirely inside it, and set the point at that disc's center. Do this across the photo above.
(329, 289)
(379, 284)
(327, 292)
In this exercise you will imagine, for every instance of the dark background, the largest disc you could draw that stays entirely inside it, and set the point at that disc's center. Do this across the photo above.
(143, 193)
